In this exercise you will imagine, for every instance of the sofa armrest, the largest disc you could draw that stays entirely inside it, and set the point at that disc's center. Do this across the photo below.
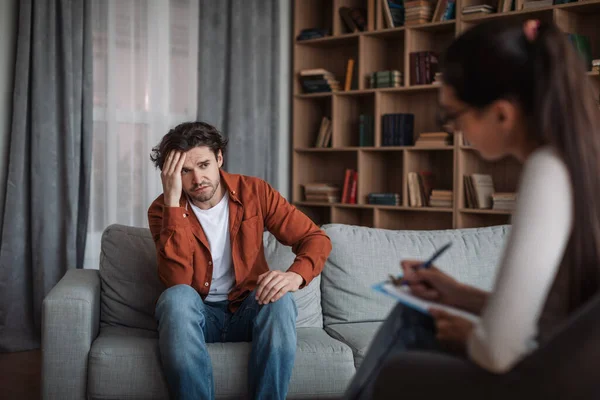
(70, 321)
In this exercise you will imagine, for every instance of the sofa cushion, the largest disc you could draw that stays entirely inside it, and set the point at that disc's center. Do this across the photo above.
(130, 283)
(124, 363)
(356, 335)
(364, 256)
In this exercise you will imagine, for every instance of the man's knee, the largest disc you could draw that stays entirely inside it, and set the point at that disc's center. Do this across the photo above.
(178, 300)
(284, 307)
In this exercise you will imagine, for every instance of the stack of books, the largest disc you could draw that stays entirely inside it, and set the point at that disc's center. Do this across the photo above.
(417, 12)
(366, 130)
(596, 65)
(420, 187)
(385, 79)
(478, 10)
(583, 47)
(441, 198)
(322, 192)
(433, 139)
(530, 4)
(384, 199)
(312, 33)
(423, 67)
(350, 187)
(397, 129)
(318, 80)
(504, 201)
(478, 190)
(324, 134)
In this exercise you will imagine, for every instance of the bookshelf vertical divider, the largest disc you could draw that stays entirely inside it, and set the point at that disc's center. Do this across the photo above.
(385, 169)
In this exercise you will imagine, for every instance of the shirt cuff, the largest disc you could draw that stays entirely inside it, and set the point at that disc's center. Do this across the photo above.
(175, 216)
(304, 269)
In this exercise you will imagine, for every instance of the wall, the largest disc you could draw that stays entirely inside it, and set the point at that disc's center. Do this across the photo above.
(8, 39)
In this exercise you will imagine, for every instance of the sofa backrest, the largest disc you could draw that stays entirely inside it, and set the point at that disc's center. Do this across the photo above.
(362, 257)
(130, 284)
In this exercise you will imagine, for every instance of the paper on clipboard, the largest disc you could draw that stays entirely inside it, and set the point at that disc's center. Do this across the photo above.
(403, 295)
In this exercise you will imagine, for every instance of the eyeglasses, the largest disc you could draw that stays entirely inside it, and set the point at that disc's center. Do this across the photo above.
(447, 120)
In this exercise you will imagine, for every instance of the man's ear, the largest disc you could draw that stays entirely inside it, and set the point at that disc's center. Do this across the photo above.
(220, 158)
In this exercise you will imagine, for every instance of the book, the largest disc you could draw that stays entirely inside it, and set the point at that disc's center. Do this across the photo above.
(348, 21)
(403, 295)
(478, 190)
(387, 14)
(349, 74)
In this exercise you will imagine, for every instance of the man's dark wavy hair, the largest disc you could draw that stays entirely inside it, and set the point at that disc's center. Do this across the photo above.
(185, 137)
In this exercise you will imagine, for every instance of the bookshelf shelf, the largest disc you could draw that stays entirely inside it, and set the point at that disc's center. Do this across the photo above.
(385, 169)
(325, 149)
(313, 95)
(330, 41)
(594, 74)
(544, 12)
(431, 209)
(484, 211)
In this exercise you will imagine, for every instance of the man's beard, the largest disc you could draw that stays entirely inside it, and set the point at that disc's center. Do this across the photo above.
(206, 194)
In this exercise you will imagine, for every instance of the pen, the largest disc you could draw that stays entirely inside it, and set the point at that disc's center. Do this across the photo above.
(426, 264)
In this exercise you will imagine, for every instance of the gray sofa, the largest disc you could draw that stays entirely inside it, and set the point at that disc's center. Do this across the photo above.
(99, 338)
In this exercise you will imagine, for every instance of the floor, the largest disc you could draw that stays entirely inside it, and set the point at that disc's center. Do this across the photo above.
(20, 375)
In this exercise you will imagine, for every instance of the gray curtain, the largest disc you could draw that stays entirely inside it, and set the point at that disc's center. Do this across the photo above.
(238, 81)
(47, 198)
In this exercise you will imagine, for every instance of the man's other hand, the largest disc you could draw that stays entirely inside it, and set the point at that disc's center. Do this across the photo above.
(273, 285)
(171, 178)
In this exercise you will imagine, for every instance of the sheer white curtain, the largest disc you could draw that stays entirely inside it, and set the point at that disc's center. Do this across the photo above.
(145, 81)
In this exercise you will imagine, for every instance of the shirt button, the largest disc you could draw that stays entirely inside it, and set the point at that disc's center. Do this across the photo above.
(184, 215)
(233, 192)
(206, 284)
(210, 263)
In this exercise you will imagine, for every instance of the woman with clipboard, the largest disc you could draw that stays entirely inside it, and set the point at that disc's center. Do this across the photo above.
(513, 90)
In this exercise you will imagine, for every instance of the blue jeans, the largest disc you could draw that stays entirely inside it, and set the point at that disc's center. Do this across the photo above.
(404, 329)
(186, 324)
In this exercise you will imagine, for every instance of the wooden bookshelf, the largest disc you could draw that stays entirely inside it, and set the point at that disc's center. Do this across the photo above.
(385, 169)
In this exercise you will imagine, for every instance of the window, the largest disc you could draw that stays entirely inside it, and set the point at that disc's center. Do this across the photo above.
(145, 82)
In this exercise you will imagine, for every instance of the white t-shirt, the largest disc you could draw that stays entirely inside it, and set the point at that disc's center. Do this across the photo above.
(541, 228)
(215, 223)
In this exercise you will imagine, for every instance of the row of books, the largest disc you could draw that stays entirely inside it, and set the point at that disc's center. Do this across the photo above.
(421, 193)
(318, 80)
(478, 190)
(322, 192)
(384, 199)
(423, 67)
(433, 139)
(385, 79)
(397, 129)
(398, 13)
(350, 187)
(324, 134)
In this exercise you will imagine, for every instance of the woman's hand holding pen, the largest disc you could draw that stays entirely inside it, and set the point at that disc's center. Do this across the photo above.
(432, 284)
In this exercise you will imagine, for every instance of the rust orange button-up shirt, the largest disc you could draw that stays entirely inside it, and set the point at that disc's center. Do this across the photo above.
(183, 251)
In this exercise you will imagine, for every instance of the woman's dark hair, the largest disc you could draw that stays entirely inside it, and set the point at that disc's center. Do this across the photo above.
(185, 137)
(546, 77)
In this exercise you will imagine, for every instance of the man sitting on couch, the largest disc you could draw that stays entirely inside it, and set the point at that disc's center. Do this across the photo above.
(208, 229)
